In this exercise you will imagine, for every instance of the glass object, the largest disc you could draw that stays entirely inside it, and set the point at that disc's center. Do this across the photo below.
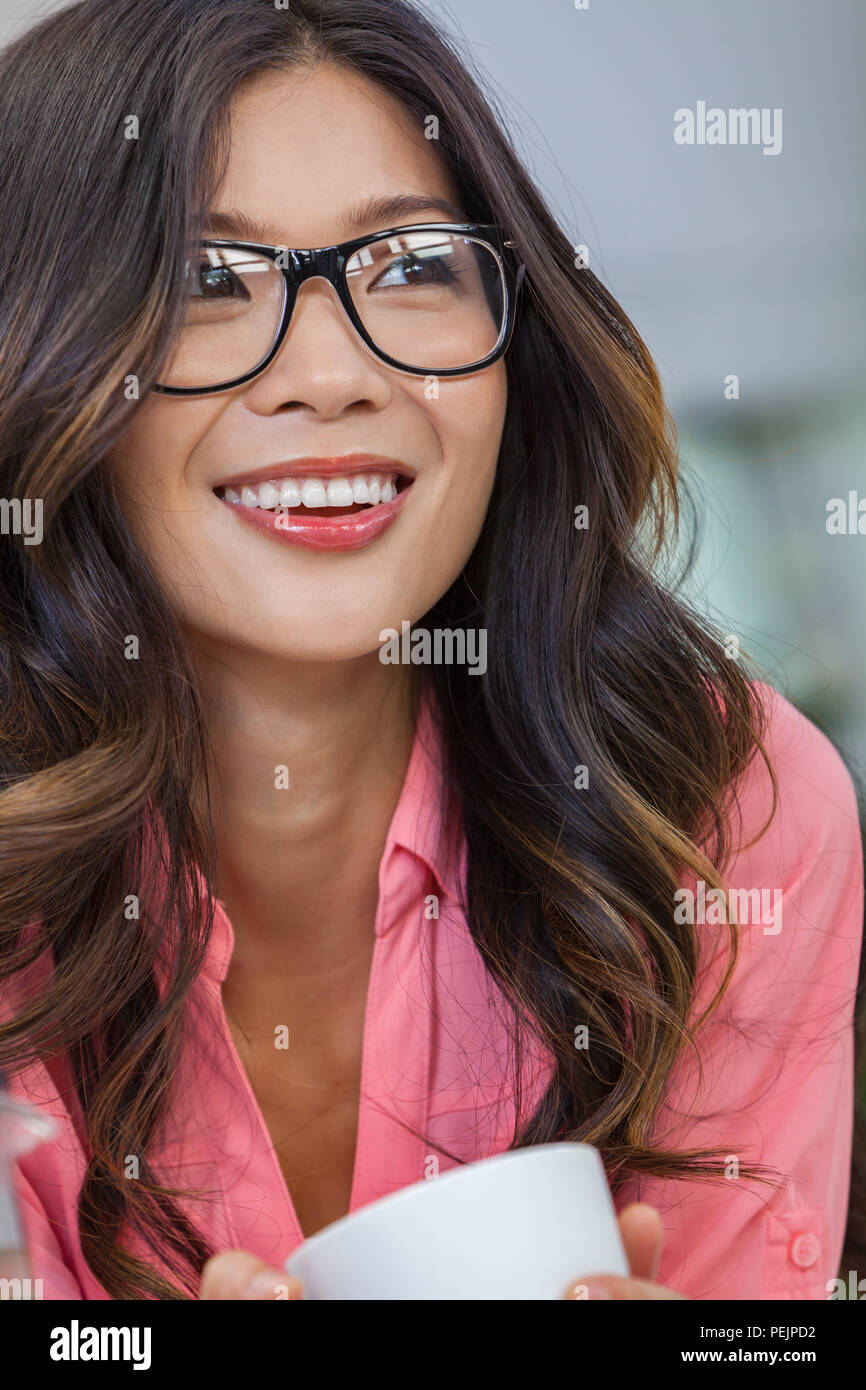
(21, 1128)
(431, 299)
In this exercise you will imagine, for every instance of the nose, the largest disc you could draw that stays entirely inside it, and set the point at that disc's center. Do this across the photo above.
(322, 362)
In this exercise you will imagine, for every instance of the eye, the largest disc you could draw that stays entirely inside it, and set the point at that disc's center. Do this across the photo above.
(417, 270)
(216, 282)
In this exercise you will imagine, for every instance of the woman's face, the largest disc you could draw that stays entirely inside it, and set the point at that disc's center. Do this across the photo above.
(308, 149)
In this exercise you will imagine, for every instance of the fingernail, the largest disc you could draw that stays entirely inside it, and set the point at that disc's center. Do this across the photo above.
(267, 1284)
(598, 1291)
(589, 1289)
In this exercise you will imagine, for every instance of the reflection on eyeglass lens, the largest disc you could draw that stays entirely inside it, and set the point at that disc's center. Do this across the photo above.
(430, 299)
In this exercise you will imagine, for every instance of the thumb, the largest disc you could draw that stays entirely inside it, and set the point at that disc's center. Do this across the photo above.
(236, 1274)
(642, 1231)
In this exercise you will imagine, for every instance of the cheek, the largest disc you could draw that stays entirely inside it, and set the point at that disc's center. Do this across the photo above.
(155, 446)
(149, 464)
(471, 413)
(469, 419)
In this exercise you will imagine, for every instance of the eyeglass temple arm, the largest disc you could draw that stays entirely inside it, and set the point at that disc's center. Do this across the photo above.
(521, 272)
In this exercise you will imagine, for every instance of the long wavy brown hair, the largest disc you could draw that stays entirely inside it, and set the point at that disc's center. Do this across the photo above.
(594, 658)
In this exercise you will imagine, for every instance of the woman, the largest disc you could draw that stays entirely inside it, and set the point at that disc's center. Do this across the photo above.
(286, 924)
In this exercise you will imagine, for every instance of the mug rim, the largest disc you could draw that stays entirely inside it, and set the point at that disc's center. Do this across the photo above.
(411, 1191)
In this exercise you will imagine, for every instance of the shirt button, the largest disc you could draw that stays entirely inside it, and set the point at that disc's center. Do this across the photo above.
(804, 1249)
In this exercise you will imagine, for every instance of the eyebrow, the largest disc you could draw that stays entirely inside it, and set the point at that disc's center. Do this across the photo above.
(372, 214)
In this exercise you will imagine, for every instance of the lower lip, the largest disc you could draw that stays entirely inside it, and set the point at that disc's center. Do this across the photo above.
(323, 532)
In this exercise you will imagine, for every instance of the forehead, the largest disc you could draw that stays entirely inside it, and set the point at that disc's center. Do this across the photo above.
(309, 148)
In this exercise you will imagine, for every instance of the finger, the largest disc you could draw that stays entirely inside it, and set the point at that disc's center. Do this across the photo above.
(642, 1231)
(613, 1287)
(236, 1274)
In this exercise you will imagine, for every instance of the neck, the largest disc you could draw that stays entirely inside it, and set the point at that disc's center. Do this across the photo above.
(306, 764)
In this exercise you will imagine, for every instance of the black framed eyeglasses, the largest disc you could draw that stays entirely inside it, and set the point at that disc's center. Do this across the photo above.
(432, 299)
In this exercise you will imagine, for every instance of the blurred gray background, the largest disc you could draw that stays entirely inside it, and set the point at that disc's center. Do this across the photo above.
(730, 262)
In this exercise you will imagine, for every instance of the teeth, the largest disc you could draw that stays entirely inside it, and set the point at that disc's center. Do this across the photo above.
(340, 493)
(364, 489)
(269, 495)
(313, 493)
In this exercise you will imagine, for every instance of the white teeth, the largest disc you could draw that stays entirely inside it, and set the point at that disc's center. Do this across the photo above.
(313, 493)
(269, 495)
(340, 493)
(365, 489)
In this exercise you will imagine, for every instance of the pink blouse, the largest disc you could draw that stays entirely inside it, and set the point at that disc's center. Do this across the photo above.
(777, 1056)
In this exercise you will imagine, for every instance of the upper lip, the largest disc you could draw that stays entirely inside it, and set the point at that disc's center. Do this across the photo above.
(335, 465)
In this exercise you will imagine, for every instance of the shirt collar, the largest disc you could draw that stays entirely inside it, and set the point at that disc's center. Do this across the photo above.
(426, 822)
(425, 825)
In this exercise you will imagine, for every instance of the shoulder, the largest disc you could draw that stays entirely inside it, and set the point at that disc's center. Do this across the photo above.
(793, 878)
(815, 810)
(772, 1079)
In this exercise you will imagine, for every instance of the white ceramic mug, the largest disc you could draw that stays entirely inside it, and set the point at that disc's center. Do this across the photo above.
(521, 1225)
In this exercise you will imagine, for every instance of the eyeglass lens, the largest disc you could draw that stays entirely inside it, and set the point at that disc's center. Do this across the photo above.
(432, 300)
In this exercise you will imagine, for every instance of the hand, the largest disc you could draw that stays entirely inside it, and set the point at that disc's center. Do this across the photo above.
(237, 1274)
(640, 1226)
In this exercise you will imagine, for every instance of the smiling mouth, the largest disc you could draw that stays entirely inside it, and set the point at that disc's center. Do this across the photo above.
(347, 494)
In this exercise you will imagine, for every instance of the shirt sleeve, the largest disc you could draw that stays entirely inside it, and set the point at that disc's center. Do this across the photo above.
(777, 1055)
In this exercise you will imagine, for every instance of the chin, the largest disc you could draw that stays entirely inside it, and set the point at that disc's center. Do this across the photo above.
(322, 643)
